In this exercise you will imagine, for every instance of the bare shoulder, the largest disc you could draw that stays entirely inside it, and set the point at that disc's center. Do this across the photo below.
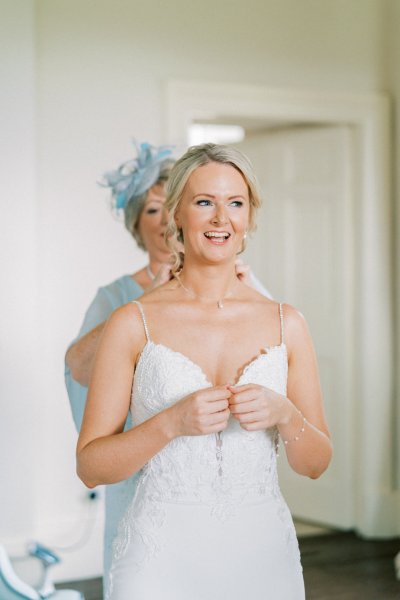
(295, 324)
(126, 324)
(293, 317)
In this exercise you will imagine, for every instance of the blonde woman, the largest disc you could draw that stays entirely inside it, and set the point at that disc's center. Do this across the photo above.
(213, 373)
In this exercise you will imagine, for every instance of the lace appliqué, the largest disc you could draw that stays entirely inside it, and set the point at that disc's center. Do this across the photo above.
(187, 470)
(142, 521)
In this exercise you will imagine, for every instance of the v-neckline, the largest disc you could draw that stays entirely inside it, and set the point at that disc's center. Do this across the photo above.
(243, 370)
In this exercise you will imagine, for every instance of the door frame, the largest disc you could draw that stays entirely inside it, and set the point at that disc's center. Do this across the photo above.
(377, 503)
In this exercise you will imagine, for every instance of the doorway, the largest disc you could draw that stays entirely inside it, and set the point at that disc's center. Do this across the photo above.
(323, 245)
(302, 253)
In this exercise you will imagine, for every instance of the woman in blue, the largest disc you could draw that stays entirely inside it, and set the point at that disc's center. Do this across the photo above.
(138, 190)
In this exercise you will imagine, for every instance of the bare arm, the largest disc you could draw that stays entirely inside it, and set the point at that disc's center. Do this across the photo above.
(106, 454)
(80, 356)
(258, 408)
(311, 453)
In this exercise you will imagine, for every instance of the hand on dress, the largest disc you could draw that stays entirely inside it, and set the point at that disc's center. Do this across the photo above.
(257, 407)
(163, 275)
(243, 272)
(203, 412)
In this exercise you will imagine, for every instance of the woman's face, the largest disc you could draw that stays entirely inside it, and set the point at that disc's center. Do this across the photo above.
(214, 213)
(152, 224)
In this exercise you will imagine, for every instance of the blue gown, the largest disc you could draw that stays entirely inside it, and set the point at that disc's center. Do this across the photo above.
(108, 298)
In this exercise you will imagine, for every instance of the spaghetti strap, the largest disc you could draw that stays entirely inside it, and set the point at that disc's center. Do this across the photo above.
(282, 326)
(146, 329)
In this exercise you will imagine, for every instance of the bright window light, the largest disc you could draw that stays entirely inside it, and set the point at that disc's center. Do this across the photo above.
(217, 134)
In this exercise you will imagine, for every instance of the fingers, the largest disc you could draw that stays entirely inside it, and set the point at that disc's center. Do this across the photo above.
(214, 394)
(218, 418)
(250, 417)
(217, 427)
(218, 406)
(247, 405)
(244, 407)
(235, 389)
(214, 422)
(254, 426)
(242, 271)
(244, 393)
(163, 275)
(210, 401)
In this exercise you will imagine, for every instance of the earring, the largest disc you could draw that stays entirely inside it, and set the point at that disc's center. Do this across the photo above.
(243, 247)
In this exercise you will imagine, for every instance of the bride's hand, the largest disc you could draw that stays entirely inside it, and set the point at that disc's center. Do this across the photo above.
(257, 407)
(203, 412)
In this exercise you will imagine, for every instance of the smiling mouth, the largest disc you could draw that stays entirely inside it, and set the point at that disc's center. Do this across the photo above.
(217, 237)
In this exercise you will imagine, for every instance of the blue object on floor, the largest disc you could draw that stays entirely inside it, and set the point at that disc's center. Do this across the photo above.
(13, 588)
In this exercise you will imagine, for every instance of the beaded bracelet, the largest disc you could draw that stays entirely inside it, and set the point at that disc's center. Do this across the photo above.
(296, 437)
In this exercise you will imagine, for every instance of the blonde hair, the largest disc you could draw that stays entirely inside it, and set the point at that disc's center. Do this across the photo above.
(195, 157)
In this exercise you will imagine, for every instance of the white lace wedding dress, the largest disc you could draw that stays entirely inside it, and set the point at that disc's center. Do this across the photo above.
(208, 521)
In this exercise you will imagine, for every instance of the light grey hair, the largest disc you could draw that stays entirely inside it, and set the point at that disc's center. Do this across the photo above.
(195, 157)
(134, 207)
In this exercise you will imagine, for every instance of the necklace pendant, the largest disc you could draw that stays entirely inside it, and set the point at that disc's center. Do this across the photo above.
(219, 304)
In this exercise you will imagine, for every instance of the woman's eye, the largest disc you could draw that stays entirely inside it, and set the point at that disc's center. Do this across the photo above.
(152, 211)
(236, 203)
(203, 202)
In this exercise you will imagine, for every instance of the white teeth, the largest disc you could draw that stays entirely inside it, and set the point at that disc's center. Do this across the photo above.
(217, 234)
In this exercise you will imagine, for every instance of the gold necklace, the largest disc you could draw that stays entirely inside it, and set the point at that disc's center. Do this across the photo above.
(219, 302)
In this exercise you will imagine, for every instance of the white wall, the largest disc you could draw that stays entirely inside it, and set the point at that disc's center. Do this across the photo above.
(101, 72)
(18, 254)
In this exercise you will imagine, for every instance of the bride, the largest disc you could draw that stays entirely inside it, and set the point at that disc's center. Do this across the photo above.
(213, 373)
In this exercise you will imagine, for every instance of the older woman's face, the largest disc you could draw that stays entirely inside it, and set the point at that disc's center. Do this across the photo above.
(152, 224)
(214, 212)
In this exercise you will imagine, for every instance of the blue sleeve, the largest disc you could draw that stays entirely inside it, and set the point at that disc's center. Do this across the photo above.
(98, 312)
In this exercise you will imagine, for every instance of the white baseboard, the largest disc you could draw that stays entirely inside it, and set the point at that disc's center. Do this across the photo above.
(379, 519)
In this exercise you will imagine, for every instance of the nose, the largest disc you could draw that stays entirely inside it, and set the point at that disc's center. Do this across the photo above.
(220, 216)
(164, 216)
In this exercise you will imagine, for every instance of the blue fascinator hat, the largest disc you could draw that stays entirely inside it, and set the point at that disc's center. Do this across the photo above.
(134, 177)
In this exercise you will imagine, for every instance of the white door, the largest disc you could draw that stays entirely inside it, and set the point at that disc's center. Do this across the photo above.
(303, 253)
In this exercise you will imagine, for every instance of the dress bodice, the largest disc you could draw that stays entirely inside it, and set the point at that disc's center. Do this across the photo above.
(189, 469)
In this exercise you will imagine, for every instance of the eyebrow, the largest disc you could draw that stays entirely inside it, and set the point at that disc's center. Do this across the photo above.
(149, 200)
(212, 196)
